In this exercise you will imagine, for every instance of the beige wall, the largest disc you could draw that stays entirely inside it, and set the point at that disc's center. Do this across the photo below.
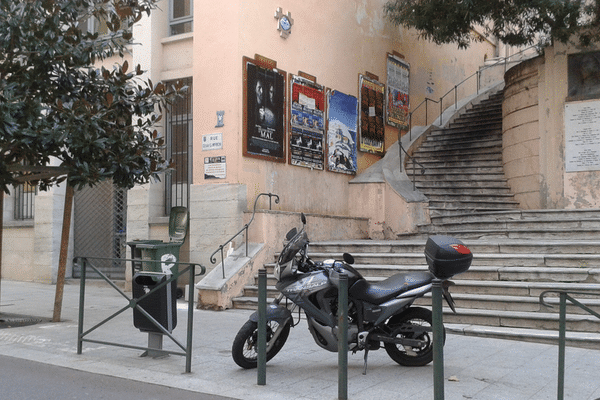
(328, 41)
(534, 136)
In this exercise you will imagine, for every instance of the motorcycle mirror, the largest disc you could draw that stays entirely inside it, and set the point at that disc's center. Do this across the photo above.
(290, 235)
(303, 218)
(348, 259)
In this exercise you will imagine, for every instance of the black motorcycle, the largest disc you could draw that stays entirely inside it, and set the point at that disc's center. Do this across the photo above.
(378, 313)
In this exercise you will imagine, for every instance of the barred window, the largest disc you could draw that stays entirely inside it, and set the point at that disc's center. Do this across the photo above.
(24, 201)
(181, 17)
(179, 148)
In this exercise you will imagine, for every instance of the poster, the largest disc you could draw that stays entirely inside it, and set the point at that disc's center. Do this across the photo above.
(341, 134)
(397, 92)
(371, 106)
(215, 168)
(307, 123)
(264, 111)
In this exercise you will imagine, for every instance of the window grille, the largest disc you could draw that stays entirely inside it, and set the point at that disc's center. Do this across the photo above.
(182, 15)
(24, 201)
(179, 149)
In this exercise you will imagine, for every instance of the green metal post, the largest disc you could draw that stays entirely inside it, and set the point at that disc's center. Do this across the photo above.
(190, 322)
(262, 328)
(81, 305)
(562, 327)
(343, 338)
(438, 340)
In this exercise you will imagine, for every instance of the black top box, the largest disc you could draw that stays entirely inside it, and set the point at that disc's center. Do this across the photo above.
(447, 256)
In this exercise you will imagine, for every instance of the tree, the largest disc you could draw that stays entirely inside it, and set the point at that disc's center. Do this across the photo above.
(62, 118)
(56, 106)
(513, 22)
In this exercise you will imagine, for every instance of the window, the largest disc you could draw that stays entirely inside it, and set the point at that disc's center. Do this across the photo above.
(93, 25)
(24, 202)
(179, 148)
(181, 17)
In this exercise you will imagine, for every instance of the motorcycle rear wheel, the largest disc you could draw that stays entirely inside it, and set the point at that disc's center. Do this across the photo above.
(245, 344)
(401, 325)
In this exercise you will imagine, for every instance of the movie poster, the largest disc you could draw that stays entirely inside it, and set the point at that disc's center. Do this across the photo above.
(264, 128)
(307, 122)
(371, 109)
(398, 86)
(341, 134)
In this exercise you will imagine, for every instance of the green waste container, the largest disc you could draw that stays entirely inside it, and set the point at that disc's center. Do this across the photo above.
(158, 256)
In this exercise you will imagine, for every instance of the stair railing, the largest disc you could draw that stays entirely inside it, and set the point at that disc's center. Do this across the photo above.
(454, 90)
(562, 328)
(243, 230)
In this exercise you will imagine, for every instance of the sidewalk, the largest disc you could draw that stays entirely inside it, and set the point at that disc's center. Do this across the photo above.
(481, 369)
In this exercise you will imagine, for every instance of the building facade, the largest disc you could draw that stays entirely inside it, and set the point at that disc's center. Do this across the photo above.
(316, 66)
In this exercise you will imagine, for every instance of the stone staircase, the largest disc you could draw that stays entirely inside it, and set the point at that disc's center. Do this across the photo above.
(499, 295)
(518, 254)
(462, 164)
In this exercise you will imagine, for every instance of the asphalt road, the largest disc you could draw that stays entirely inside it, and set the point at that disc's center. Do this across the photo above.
(29, 380)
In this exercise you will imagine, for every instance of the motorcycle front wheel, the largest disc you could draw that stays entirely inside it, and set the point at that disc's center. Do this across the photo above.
(414, 323)
(245, 344)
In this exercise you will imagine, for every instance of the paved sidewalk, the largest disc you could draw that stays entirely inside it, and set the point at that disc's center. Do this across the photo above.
(482, 369)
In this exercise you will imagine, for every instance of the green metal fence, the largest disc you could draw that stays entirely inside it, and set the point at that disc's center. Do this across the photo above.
(562, 328)
(85, 262)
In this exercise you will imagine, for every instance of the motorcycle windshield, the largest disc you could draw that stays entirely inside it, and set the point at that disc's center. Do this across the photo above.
(293, 247)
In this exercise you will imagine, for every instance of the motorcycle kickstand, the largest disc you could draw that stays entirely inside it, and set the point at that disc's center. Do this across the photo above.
(366, 356)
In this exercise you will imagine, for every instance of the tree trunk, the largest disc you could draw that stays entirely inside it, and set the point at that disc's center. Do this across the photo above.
(64, 248)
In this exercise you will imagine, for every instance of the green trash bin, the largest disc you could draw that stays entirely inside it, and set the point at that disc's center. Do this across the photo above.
(158, 256)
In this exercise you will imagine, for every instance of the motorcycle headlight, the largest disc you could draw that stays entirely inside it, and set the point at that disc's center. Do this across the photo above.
(284, 270)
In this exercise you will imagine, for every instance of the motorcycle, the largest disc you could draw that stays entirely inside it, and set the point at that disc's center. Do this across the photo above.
(379, 313)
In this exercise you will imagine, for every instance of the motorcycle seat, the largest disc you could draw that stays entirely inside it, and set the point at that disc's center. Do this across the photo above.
(380, 292)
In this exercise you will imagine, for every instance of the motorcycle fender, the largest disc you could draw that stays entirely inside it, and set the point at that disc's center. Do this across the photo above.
(277, 313)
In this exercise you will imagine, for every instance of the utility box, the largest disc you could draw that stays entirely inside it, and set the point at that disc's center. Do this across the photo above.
(161, 305)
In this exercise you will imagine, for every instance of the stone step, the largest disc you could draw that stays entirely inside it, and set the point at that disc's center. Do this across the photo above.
(464, 134)
(516, 303)
(523, 224)
(529, 215)
(430, 190)
(574, 339)
(496, 246)
(521, 319)
(457, 176)
(525, 234)
(457, 154)
(463, 184)
(437, 195)
(475, 205)
(444, 168)
(432, 147)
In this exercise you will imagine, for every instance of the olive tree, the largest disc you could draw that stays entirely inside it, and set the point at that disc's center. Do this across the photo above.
(513, 22)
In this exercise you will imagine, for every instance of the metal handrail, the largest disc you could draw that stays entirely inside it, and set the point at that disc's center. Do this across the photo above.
(562, 328)
(455, 90)
(244, 229)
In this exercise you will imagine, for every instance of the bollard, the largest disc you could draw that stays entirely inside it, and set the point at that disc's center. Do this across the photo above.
(438, 340)
(343, 338)
(262, 328)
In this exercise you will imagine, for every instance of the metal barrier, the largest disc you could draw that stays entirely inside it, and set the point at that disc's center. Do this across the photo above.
(133, 303)
(244, 229)
(562, 328)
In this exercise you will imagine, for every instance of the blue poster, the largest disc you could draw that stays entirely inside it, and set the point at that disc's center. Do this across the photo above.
(341, 134)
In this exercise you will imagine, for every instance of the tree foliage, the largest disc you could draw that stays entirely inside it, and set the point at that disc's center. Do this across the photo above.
(514, 22)
(57, 107)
